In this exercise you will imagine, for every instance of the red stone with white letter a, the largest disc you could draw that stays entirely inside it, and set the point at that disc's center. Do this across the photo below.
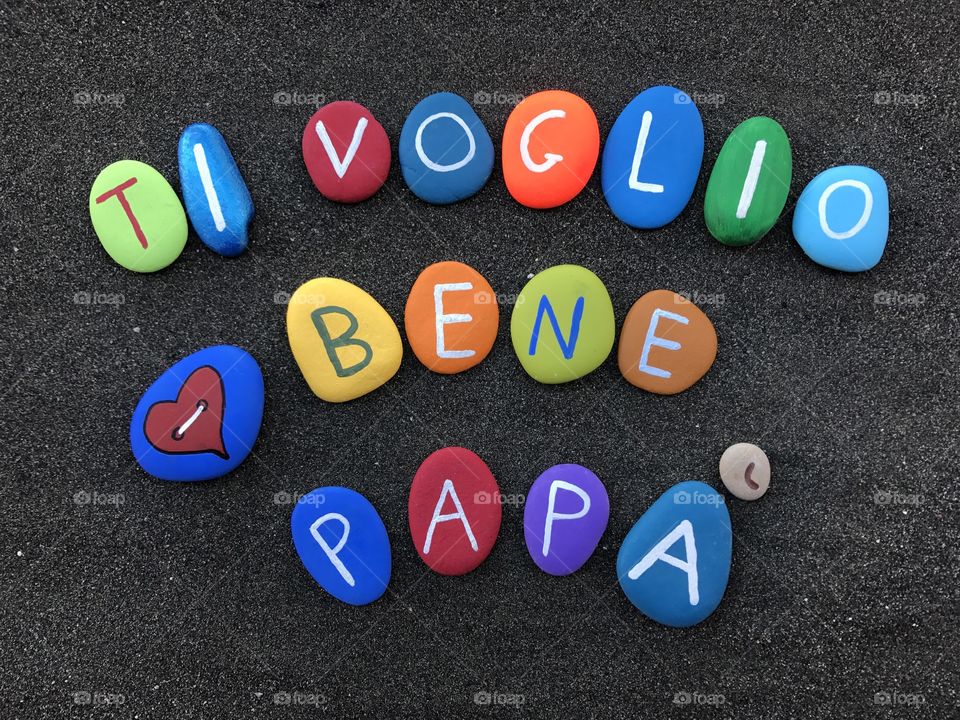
(454, 511)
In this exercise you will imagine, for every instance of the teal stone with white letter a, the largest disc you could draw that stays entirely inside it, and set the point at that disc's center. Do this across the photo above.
(675, 561)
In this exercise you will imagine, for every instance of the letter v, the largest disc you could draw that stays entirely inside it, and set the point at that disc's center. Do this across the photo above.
(340, 167)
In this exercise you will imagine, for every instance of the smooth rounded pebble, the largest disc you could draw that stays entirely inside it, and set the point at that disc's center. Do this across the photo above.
(446, 154)
(550, 146)
(562, 326)
(454, 511)
(137, 216)
(217, 199)
(564, 516)
(343, 544)
(200, 418)
(674, 563)
(451, 317)
(745, 471)
(346, 151)
(652, 157)
(749, 183)
(344, 342)
(843, 217)
(666, 343)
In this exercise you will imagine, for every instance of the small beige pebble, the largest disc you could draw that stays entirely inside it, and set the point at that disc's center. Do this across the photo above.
(745, 471)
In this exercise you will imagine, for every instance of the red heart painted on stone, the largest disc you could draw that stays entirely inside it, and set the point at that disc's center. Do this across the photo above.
(193, 423)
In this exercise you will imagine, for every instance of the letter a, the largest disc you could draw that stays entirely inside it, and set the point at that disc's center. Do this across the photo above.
(458, 515)
(331, 344)
(659, 552)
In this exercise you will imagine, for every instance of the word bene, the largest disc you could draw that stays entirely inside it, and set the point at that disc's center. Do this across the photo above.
(454, 520)
(562, 327)
(650, 165)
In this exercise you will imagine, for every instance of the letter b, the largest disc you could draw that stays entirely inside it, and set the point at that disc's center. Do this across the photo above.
(346, 339)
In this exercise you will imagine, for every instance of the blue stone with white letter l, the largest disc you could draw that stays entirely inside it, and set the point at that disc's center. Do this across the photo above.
(652, 157)
(445, 151)
(675, 561)
(214, 193)
(842, 218)
(342, 543)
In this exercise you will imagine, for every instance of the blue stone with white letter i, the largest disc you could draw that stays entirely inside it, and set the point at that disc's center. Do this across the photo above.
(445, 151)
(652, 157)
(675, 561)
(214, 192)
(342, 543)
(843, 217)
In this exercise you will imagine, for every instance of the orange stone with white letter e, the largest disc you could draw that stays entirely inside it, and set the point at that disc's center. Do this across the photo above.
(666, 344)
(451, 317)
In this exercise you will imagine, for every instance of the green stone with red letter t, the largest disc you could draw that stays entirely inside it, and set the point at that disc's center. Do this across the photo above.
(137, 216)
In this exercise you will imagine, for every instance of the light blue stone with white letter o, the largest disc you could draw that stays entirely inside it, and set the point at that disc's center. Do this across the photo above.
(675, 561)
(445, 151)
(342, 543)
(843, 217)
(652, 157)
(215, 195)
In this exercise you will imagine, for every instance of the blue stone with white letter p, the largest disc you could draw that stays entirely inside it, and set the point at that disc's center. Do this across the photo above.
(445, 151)
(652, 156)
(215, 195)
(675, 561)
(843, 217)
(342, 543)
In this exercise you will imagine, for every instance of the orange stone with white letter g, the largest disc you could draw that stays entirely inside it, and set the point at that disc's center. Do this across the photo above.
(667, 343)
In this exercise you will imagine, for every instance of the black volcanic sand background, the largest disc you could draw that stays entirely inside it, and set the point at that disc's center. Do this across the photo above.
(189, 600)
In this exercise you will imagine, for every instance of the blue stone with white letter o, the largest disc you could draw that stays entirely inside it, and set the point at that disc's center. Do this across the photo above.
(842, 218)
(343, 544)
(445, 151)
(675, 561)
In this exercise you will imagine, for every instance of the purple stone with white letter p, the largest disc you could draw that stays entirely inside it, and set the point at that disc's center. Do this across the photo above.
(565, 515)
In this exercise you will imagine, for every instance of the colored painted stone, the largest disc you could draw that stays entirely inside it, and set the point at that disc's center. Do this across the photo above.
(445, 152)
(451, 317)
(200, 418)
(346, 151)
(454, 511)
(749, 183)
(344, 342)
(564, 517)
(674, 563)
(550, 146)
(842, 218)
(343, 544)
(137, 216)
(652, 156)
(562, 325)
(666, 344)
(217, 199)
(745, 470)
